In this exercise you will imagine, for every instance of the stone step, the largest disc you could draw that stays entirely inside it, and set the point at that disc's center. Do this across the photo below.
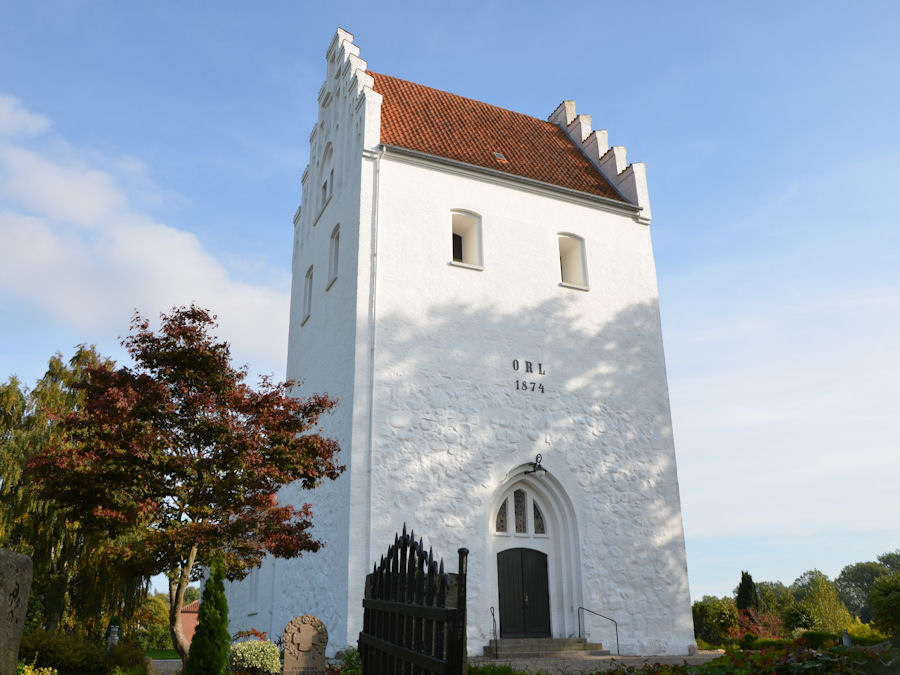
(510, 648)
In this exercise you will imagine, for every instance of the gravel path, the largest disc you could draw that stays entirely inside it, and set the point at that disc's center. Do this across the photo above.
(593, 664)
(546, 666)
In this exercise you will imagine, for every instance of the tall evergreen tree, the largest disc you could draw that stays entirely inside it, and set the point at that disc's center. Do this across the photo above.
(209, 648)
(747, 596)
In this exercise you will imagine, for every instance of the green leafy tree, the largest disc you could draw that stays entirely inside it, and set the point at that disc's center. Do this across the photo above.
(818, 606)
(774, 597)
(714, 619)
(746, 596)
(891, 560)
(178, 460)
(885, 600)
(853, 585)
(73, 584)
(209, 648)
(191, 593)
(149, 626)
(802, 584)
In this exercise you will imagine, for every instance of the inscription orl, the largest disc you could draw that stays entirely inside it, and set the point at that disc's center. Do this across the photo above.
(529, 367)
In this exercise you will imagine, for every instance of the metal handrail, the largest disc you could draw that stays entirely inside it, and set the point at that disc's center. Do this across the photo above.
(582, 610)
(496, 642)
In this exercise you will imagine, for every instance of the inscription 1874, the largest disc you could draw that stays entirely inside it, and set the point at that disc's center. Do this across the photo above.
(532, 368)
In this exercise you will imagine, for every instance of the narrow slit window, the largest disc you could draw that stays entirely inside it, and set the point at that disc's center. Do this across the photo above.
(466, 239)
(571, 260)
(334, 252)
(331, 183)
(307, 295)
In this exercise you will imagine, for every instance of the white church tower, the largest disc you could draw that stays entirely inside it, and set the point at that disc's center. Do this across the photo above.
(477, 287)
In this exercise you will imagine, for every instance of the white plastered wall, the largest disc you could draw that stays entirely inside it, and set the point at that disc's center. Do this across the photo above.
(450, 423)
(327, 353)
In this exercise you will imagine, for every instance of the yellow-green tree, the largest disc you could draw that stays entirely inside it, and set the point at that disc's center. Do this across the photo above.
(72, 580)
(817, 599)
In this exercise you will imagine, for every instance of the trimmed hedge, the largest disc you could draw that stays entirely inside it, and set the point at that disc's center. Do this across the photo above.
(258, 657)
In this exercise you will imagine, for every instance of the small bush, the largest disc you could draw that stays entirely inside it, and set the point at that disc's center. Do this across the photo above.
(129, 670)
(818, 639)
(865, 633)
(747, 641)
(714, 618)
(31, 669)
(254, 658)
(64, 651)
(769, 643)
(125, 655)
(492, 669)
(350, 662)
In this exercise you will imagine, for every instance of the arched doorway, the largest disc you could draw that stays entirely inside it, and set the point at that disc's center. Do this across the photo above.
(535, 545)
(524, 593)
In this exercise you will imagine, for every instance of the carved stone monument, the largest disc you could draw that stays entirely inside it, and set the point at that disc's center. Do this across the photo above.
(15, 585)
(305, 638)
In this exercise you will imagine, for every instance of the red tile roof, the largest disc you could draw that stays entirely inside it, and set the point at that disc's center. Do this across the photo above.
(435, 122)
(191, 606)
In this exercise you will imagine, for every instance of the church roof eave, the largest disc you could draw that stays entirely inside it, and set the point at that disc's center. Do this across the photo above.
(523, 182)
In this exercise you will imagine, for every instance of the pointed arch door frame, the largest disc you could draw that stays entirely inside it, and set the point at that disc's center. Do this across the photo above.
(560, 543)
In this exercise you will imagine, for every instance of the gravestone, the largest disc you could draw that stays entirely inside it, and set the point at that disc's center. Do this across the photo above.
(304, 639)
(15, 585)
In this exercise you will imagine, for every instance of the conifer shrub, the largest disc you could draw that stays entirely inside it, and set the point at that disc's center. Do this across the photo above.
(747, 596)
(209, 648)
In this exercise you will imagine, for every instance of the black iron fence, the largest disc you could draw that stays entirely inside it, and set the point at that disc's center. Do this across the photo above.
(414, 614)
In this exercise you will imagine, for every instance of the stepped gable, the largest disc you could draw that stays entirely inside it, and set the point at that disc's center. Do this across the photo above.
(438, 123)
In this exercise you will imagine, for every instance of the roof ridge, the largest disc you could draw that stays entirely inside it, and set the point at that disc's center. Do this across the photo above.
(460, 96)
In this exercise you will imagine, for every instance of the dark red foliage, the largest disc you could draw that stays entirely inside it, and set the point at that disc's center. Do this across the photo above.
(178, 459)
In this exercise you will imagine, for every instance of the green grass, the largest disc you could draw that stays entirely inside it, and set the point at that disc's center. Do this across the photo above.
(162, 654)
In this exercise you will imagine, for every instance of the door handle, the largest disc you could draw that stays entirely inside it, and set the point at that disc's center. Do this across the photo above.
(526, 599)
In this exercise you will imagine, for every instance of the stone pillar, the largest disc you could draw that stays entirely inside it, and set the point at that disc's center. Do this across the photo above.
(15, 585)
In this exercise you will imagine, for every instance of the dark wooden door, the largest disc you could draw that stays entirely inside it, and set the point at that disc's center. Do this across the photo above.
(524, 593)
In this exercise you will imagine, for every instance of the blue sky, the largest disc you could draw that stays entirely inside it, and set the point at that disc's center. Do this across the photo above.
(151, 153)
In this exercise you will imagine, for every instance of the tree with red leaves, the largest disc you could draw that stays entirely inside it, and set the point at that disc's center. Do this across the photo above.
(178, 460)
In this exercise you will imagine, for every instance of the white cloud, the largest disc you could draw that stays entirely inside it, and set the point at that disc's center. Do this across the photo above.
(74, 194)
(785, 377)
(77, 249)
(16, 121)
